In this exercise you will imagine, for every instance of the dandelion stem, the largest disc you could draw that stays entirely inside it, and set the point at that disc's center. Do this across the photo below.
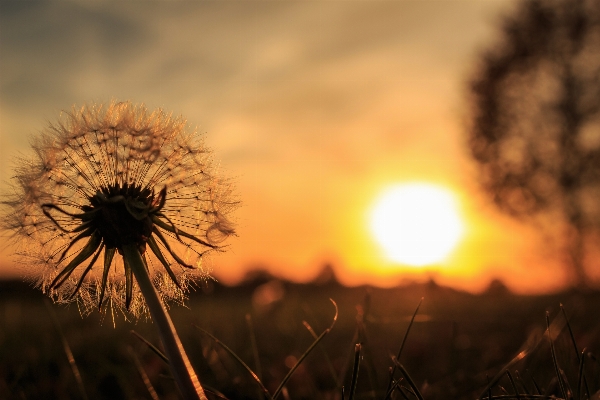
(181, 368)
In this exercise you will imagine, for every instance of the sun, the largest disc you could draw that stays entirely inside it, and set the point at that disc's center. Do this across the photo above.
(416, 224)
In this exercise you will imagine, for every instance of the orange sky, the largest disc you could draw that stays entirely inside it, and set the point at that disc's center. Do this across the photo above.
(313, 108)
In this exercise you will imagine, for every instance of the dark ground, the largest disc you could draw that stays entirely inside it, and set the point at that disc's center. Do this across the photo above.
(456, 343)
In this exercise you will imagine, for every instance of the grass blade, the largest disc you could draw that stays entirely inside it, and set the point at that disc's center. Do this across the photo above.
(554, 360)
(401, 390)
(522, 383)
(412, 320)
(68, 351)
(514, 385)
(537, 387)
(327, 359)
(397, 387)
(214, 392)
(562, 308)
(307, 352)
(151, 346)
(581, 376)
(530, 347)
(238, 359)
(404, 372)
(143, 374)
(568, 390)
(579, 359)
(357, 349)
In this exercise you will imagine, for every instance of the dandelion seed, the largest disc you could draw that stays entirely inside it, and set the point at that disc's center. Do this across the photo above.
(104, 177)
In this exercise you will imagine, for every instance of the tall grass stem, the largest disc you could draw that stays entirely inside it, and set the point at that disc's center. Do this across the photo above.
(554, 360)
(410, 324)
(579, 359)
(513, 384)
(357, 350)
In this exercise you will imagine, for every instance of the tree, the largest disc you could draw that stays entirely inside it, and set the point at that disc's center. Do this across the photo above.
(535, 127)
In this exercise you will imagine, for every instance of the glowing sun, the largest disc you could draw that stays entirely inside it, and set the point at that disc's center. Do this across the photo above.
(417, 224)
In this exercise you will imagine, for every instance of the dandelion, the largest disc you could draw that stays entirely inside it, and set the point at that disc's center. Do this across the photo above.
(103, 178)
(114, 193)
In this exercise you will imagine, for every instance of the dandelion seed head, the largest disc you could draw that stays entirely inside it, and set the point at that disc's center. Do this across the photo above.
(107, 176)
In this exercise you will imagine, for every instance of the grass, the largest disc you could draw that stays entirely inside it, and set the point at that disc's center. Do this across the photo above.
(457, 346)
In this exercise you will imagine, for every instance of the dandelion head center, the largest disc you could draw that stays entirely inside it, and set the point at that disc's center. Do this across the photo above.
(122, 214)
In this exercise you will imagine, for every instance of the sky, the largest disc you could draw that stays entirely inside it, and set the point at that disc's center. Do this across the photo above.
(313, 108)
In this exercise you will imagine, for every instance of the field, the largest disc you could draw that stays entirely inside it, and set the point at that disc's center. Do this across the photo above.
(456, 345)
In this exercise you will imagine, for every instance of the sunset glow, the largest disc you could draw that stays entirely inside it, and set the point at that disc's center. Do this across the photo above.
(416, 224)
(315, 113)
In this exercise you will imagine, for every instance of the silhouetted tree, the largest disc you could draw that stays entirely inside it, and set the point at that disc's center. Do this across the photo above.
(535, 129)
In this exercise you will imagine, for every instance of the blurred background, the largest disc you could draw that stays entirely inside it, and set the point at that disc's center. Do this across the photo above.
(314, 109)
(383, 152)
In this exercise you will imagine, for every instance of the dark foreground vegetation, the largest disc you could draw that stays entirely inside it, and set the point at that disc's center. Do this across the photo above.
(458, 345)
